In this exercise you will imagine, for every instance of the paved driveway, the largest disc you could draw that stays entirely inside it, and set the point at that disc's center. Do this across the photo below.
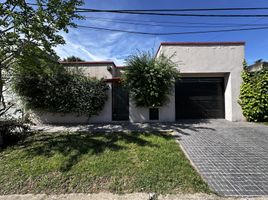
(231, 157)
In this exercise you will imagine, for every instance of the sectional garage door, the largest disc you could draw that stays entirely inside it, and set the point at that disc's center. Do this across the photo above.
(199, 98)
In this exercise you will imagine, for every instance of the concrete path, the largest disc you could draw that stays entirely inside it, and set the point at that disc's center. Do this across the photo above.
(231, 157)
(109, 196)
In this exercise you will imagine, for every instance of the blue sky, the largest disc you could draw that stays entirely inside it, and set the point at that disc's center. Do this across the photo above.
(103, 45)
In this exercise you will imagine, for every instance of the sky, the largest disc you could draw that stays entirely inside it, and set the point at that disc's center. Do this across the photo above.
(97, 45)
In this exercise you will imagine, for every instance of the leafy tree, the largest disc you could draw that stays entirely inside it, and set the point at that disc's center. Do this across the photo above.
(150, 79)
(254, 94)
(38, 25)
(72, 59)
(24, 25)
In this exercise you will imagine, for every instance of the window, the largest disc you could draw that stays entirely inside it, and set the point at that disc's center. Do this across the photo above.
(153, 113)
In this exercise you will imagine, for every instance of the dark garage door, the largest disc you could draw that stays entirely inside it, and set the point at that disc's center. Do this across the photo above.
(199, 98)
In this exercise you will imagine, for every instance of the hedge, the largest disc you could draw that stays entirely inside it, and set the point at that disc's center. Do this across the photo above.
(59, 91)
(254, 95)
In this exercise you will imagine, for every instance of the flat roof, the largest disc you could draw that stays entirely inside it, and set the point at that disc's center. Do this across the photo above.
(199, 44)
(88, 62)
(202, 43)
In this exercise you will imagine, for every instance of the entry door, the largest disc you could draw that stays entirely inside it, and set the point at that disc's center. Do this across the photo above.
(199, 98)
(120, 102)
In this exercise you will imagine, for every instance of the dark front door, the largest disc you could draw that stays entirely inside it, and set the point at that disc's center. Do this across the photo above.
(199, 98)
(120, 102)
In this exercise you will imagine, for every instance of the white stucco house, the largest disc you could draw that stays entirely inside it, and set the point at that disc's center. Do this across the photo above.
(209, 87)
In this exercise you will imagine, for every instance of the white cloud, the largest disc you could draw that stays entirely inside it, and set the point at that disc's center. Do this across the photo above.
(97, 45)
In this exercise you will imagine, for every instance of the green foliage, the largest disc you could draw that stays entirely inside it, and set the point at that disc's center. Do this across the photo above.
(150, 79)
(39, 25)
(254, 95)
(48, 86)
(72, 59)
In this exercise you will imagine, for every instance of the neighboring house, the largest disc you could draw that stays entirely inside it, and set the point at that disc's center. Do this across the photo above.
(209, 87)
(258, 65)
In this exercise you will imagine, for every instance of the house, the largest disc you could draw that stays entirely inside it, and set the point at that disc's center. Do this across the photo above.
(258, 65)
(209, 87)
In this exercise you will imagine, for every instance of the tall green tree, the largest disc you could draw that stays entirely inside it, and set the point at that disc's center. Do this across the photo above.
(23, 25)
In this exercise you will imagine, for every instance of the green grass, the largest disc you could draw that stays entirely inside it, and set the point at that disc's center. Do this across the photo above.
(84, 162)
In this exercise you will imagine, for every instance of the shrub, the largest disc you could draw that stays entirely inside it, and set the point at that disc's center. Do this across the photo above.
(254, 95)
(54, 89)
(12, 131)
(149, 79)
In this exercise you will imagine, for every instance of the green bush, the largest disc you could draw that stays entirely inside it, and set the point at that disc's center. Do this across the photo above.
(12, 131)
(54, 89)
(150, 79)
(254, 95)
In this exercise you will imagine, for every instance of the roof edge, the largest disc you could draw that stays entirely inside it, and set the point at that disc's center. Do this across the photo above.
(198, 44)
(88, 62)
(203, 43)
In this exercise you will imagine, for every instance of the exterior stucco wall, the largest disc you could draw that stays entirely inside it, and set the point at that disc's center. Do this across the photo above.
(141, 114)
(212, 60)
(98, 71)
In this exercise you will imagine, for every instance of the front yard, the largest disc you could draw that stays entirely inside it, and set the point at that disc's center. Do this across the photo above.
(68, 162)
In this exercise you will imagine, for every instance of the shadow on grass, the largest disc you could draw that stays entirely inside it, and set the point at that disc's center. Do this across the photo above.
(181, 127)
(94, 139)
(74, 145)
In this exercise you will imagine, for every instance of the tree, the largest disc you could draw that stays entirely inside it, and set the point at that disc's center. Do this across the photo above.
(25, 25)
(254, 94)
(149, 78)
(72, 59)
(36, 24)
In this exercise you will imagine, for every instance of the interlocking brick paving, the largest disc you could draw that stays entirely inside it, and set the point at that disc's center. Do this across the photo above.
(231, 157)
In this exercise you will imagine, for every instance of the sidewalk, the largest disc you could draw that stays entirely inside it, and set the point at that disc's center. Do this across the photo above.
(132, 196)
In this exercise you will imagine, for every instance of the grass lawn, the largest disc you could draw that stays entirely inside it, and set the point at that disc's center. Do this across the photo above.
(83, 162)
